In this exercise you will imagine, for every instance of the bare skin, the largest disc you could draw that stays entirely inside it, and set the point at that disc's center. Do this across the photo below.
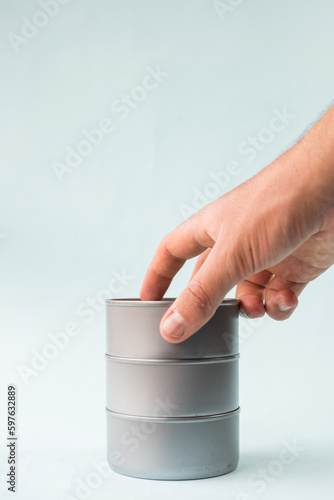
(270, 236)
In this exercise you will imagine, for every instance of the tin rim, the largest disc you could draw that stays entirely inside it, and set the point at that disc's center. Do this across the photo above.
(174, 361)
(171, 420)
(133, 302)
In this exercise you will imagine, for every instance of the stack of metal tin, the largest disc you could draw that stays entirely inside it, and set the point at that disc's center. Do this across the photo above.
(172, 409)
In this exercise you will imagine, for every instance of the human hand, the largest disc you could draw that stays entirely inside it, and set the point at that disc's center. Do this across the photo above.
(271, 236)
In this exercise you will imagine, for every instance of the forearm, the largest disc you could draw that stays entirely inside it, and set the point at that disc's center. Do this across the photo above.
(302, 179)
(317, 150)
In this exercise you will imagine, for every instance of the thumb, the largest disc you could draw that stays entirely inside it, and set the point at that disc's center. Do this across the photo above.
(198, 301)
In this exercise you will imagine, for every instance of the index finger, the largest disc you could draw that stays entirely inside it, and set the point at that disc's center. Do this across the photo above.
(184, 242)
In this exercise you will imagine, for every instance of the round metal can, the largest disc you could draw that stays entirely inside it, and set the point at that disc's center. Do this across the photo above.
(173, 448)
(172, 409)
(133, 331)
(203, 386)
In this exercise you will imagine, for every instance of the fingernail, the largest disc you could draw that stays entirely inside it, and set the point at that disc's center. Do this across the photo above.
(243, 314)
(174, 325)
(283, 307)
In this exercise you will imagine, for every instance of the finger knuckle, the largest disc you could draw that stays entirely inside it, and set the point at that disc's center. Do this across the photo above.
(200, 296)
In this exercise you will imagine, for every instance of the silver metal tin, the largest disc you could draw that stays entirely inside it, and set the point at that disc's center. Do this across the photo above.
(172, 409)
(193, 387)
(173, 448)
(133, 331)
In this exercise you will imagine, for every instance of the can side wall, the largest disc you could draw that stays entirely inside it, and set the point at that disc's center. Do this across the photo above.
(134, 332)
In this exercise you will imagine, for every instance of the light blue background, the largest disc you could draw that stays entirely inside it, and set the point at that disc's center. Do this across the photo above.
(62, 242)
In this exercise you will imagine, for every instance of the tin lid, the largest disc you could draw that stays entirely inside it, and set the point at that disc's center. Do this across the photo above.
(174, 419)
(130, 302)
(137, 302)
